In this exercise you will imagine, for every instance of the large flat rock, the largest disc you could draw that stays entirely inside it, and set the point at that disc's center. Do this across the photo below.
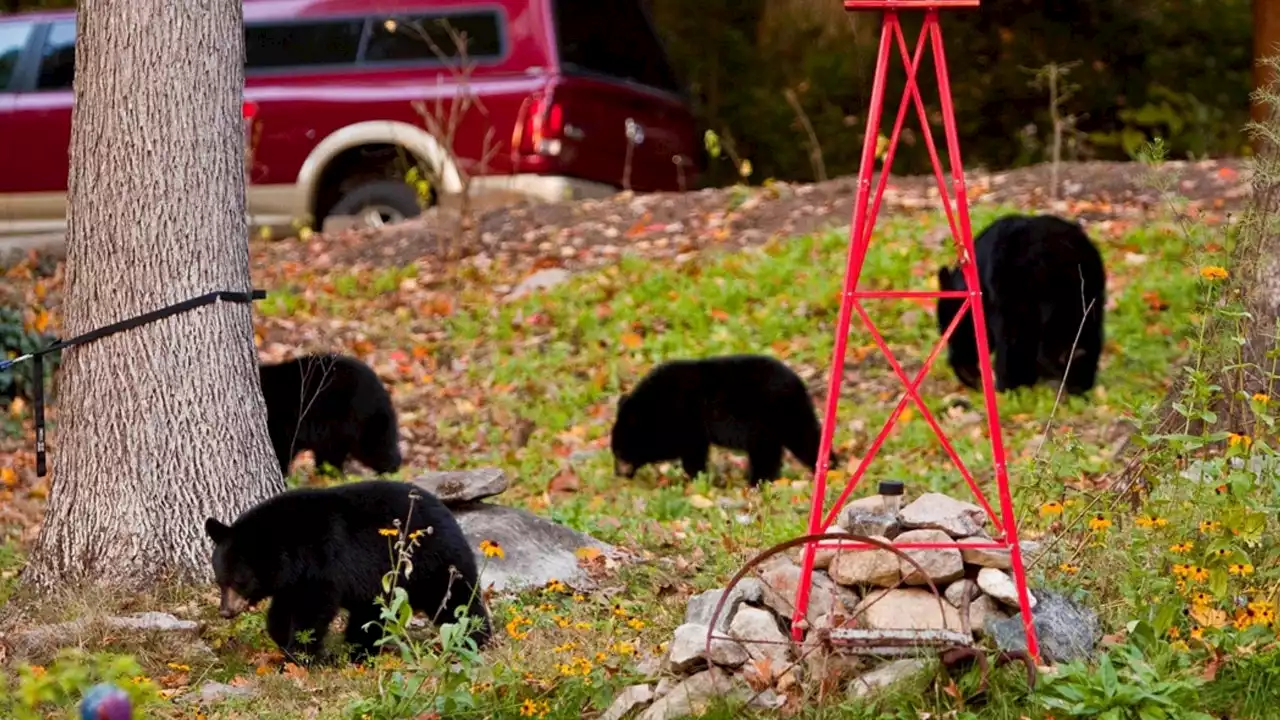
(535, 550)
(458, 487)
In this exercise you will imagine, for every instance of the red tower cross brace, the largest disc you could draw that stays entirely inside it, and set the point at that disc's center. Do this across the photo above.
(865, 208)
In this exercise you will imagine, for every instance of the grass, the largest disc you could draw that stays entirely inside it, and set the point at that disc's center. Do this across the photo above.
(530, 386)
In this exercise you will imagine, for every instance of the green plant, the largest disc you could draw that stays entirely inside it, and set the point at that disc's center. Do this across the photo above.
(37, 691)
(1125, 685)
(436, 678)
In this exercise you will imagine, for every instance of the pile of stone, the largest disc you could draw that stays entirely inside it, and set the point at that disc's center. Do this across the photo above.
(752, 658)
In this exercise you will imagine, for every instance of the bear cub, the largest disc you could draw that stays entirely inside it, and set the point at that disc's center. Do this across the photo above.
(334, 406)
(750, 403)
(1037, 275)
(315, 551)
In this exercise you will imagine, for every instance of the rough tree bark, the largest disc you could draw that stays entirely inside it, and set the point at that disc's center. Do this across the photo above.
(165, 424)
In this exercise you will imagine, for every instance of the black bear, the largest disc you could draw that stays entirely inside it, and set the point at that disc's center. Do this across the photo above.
(334, 406)
(315, 551)
(1038, 274)
(743, 402)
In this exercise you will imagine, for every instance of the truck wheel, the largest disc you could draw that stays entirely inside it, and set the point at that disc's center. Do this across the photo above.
(378, 203)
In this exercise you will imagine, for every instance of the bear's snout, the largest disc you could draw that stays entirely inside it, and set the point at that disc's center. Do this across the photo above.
(233, 603)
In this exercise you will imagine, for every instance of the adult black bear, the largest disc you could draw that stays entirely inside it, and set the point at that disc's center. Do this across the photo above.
(314, 551)
(334, 406)
(743, 402)
(1038, 275)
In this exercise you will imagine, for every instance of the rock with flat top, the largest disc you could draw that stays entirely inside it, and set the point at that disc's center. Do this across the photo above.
(703, 605)
(1001, 587)
(628, 700)
(535, 550)
(884, 676)
(939, 565)
(454, 487)
(906, 609)
(866, 567)
(997, 558)
(935, 511)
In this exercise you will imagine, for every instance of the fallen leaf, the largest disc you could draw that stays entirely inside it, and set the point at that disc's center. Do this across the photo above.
(564, 483)
(587, 553)
(631, 340)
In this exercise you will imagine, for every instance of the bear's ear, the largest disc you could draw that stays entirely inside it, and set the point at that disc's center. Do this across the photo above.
(216, 531)
(623, 398)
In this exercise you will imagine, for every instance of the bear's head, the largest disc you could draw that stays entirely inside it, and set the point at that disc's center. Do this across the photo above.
(624, 440)
(962, 347)
(241, 574)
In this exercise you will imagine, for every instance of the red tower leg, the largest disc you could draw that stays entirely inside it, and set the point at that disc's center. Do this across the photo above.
(866, 207)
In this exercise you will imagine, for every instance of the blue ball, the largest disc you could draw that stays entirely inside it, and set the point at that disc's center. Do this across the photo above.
(105, 701)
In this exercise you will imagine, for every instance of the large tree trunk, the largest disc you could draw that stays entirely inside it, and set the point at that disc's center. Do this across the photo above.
(162, 425)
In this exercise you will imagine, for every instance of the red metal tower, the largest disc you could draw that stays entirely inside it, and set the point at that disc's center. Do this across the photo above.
(865, 209)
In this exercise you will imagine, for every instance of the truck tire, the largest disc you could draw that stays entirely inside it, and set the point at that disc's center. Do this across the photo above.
(379, 202)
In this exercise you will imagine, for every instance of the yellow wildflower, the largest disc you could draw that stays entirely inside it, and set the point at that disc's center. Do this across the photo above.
(415, 534)
(1222, 489)
(1233, 440)
(1180, 570)
(1197, 633)
(554, 585)
(528, 708)
(579, 597)
(565, 647)
(1099, 523)
(1050, 508)
(1208, 526)
(1175, 633)
(1182, 547)
(1262, 398)
(582, 625)
(513, 627)
(1145, 521)
(624, 648)
(1240, 569)
(1201, 598)
(388, 532)
(619, 611)
(1214, 272)
(1179, 646)
(635, 624)
(1069, 569)
(1199, 574)
(492, 549)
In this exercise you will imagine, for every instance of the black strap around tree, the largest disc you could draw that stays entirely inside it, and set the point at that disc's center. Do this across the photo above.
(37, 357)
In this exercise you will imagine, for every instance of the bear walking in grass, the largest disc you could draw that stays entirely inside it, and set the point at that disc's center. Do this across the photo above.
(334, 406)
(1038, 274)
(315, 551)
(743, 402)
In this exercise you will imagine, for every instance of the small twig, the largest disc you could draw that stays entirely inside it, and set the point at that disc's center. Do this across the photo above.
(815, 148)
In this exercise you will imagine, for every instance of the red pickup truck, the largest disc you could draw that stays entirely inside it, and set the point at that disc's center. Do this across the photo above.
(572, 98)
